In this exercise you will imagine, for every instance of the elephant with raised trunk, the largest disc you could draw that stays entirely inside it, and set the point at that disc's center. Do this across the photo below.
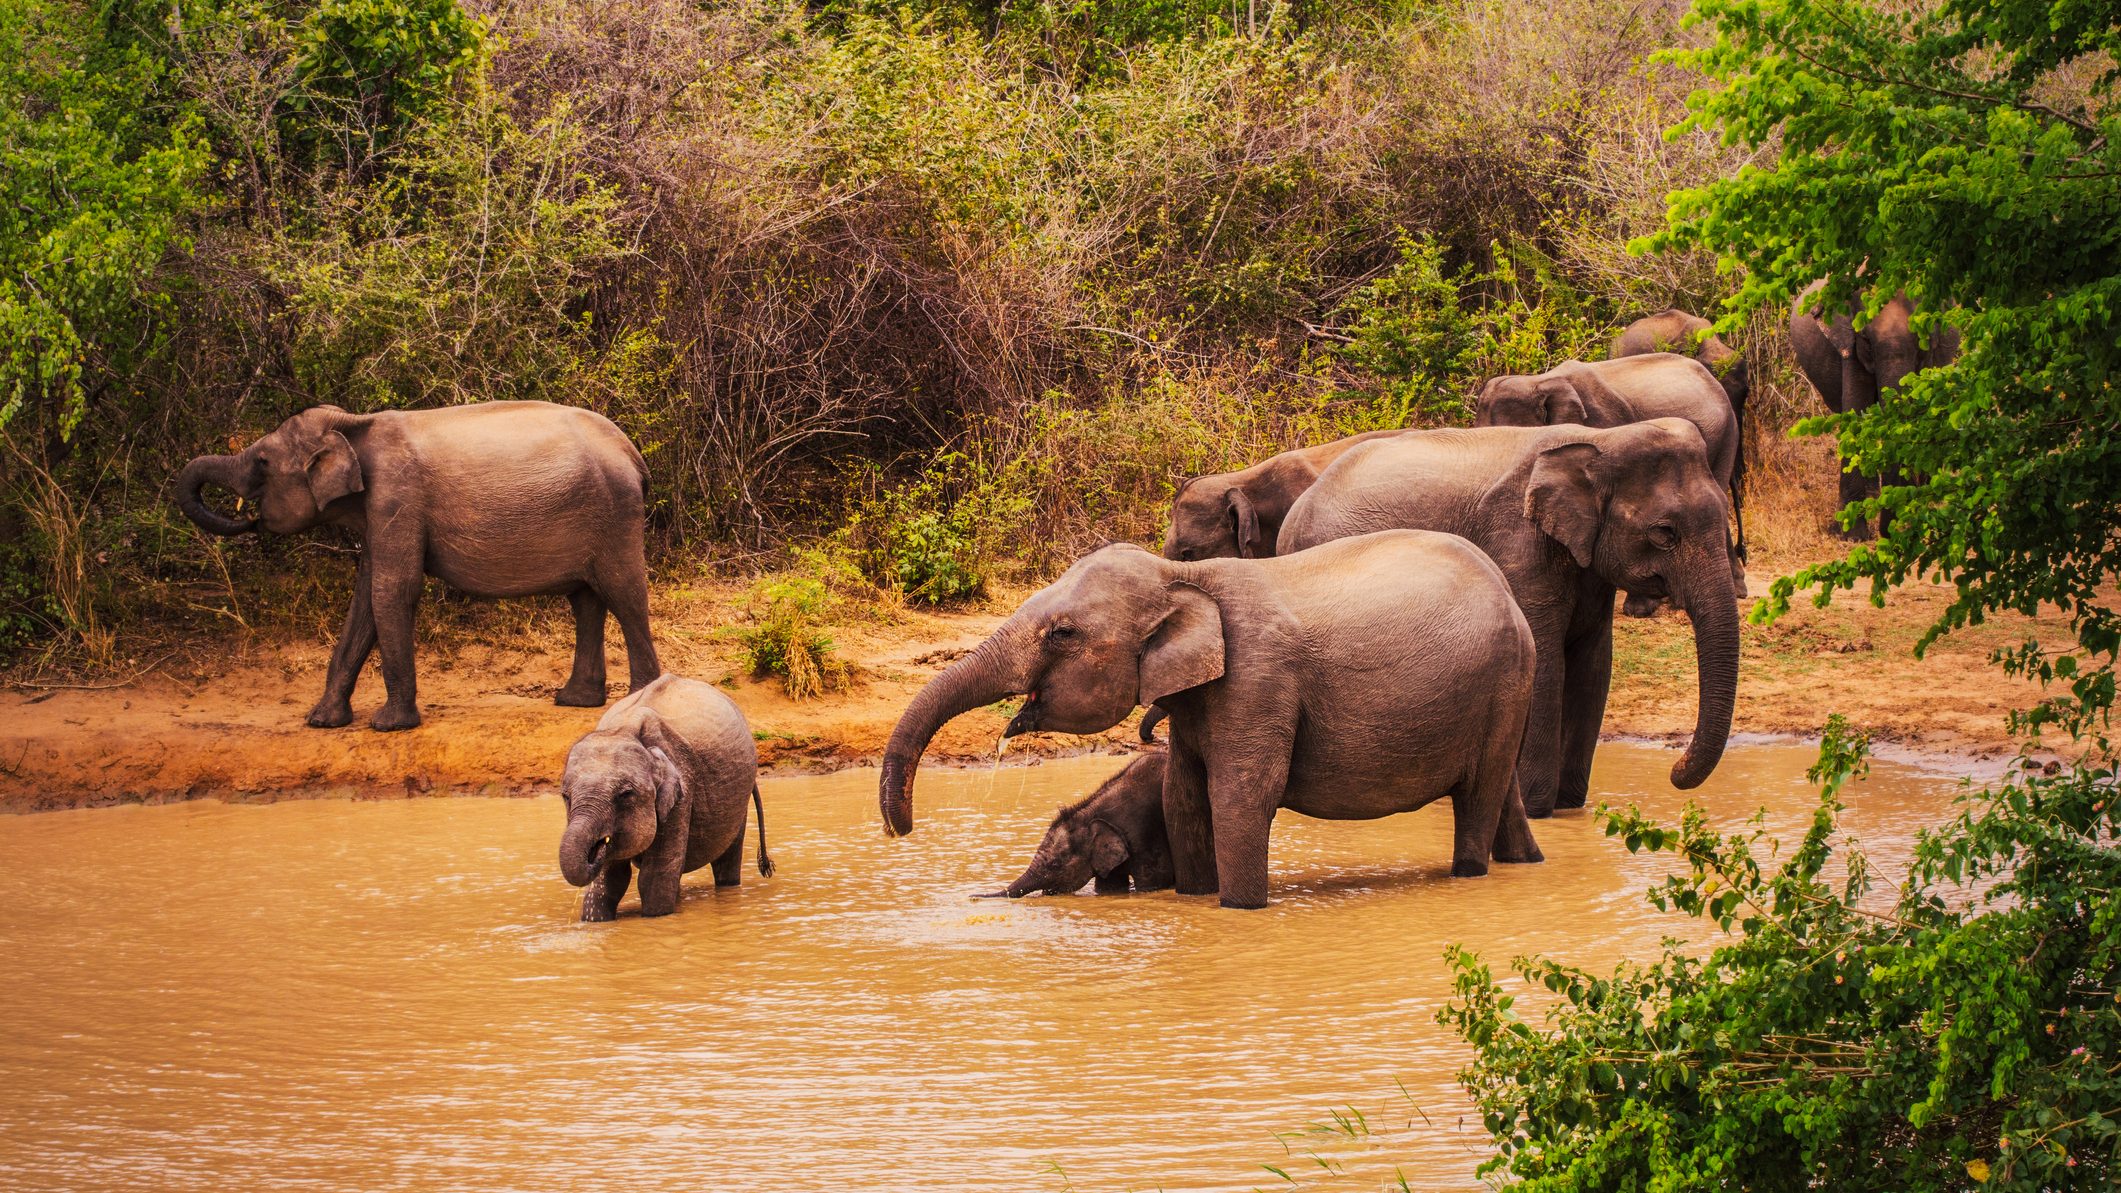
(1632, 389)
(1114, 836)
(500, 499)
(1570, 514)
(1851, 369)
(1369, 677)
(1238, 514)
(659, 785)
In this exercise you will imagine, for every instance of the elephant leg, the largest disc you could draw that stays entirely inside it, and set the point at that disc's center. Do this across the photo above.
(1539, 762)
(1586, 682)
(1112, 882)
(1481, 803)
(729, 868)
(396, 600)
(1854, 488)
(628, 597)
(662, 885)
(1244, 793)
(662, 864)
(357, 639)
(600, 902)
(1513, 836)
(586, 686)
(1188, 818)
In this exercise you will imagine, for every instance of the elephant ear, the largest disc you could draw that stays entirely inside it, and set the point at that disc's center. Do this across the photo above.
(334, 469)
(1186, 649)
(1565, 499)
(1108, 850)
(1246, 520)
(1563, 403)
(669, 781)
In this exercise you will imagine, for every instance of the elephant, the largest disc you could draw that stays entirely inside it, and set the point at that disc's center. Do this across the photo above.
(1239, 513)
(1850, 369)
(1369, 677)
(498, 499)
(1570, 514)
(1613, 393)
(659, 786)
(1114, 836)
(1688, 334)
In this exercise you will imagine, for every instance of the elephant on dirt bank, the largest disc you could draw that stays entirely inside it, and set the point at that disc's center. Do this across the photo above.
(1633, 389)
(1569, 513)
(1850, 369)
(500, 499)
(1238, 514)
(1115, 835)
(659, 784)
(1366, 678)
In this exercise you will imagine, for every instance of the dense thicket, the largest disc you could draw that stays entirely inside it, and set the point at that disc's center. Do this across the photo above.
(962, 283)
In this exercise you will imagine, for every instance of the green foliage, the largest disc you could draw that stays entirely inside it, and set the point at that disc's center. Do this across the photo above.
(1966, 153)
(370, 70)
(96, 182)
(1965, 1037)
(935, 539)
(784, 638)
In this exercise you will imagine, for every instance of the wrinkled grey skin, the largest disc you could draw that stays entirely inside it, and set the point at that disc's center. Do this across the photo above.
(1570, 514)
(1114, 836)
(1851, 368)
(1238, 514)
(499, 499)
(1674, 330)
(659, 786)
(1366, 678)
(1614, 393)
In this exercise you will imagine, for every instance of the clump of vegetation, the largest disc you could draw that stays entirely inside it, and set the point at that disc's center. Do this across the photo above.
(783, 636)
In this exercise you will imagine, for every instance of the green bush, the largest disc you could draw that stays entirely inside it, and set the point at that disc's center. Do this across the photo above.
(936, 539)
(784, 638)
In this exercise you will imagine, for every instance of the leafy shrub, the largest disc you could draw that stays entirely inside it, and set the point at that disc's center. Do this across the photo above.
(1967, 1037)
(784, 638)
(935, 540)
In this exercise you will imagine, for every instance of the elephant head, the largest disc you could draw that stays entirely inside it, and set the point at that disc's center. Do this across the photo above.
(1214, 518)
(292, 474)
(1520, 401)
(619, 786)
(1118, 629)
(1076, 848)
(1122, 822)
(1638, 505)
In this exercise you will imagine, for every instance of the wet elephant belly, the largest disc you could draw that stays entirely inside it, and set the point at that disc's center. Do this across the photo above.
(1347, 789)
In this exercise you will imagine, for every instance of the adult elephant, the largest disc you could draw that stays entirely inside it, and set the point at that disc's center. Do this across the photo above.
(500, 499)
(1632, 389)
(1688, 334)
(1570, 514)
(1850, 369)
(1369, 677)
(1239, 513)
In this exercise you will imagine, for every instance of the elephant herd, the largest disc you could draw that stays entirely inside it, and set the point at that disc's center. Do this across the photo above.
(1347, 630)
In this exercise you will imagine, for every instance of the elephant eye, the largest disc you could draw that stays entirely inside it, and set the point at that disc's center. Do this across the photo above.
(1062, 634)
(1663, 537)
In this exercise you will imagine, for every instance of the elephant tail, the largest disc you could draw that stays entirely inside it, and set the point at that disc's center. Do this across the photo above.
(765, 861)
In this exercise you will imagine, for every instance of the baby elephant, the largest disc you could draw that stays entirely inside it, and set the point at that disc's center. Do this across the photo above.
(659, 784)
(1114, 835)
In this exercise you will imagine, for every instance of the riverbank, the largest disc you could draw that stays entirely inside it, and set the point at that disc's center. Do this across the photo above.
(223, 719)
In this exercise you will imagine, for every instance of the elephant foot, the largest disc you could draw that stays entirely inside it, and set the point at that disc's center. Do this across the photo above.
(1468, 868)
(1241, 904)
(390, 720)
(599, 915)
(1516, 854)
(1569, 799)
(581, 695)
(1857, 532)
(330, 716)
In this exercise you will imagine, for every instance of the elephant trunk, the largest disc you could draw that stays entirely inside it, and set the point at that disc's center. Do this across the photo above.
(988, 674)
(223, 471)
(583, 848)
(1712, 605)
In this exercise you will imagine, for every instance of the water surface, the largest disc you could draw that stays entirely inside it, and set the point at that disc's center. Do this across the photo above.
(333, 995)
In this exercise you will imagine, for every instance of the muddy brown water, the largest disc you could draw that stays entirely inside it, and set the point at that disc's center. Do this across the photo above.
(333, 995)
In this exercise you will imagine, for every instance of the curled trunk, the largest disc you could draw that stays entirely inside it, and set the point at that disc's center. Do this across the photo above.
(223, 471)
(1712, 606)
(580, 858)
(980, 678)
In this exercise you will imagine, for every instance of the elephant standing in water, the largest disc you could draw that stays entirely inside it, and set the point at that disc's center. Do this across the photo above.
(659, 784)
(1239, 513)
(1850, 369)
(1114, 836)
(1369, 677)
(1569, 513)
(1633, 389)
(500, 499)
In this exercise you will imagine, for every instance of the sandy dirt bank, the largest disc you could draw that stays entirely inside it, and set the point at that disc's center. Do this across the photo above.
(224, 719)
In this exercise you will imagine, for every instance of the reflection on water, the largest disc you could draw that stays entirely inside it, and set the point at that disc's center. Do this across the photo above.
(327, 995)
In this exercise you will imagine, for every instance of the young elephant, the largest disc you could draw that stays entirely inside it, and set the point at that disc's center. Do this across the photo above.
(1115, 835)
(1371, 676)
(1239, 513)
(498, 499)
(659, 784)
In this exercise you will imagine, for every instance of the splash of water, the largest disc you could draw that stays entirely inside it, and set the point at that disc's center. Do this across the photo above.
(994, 773)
